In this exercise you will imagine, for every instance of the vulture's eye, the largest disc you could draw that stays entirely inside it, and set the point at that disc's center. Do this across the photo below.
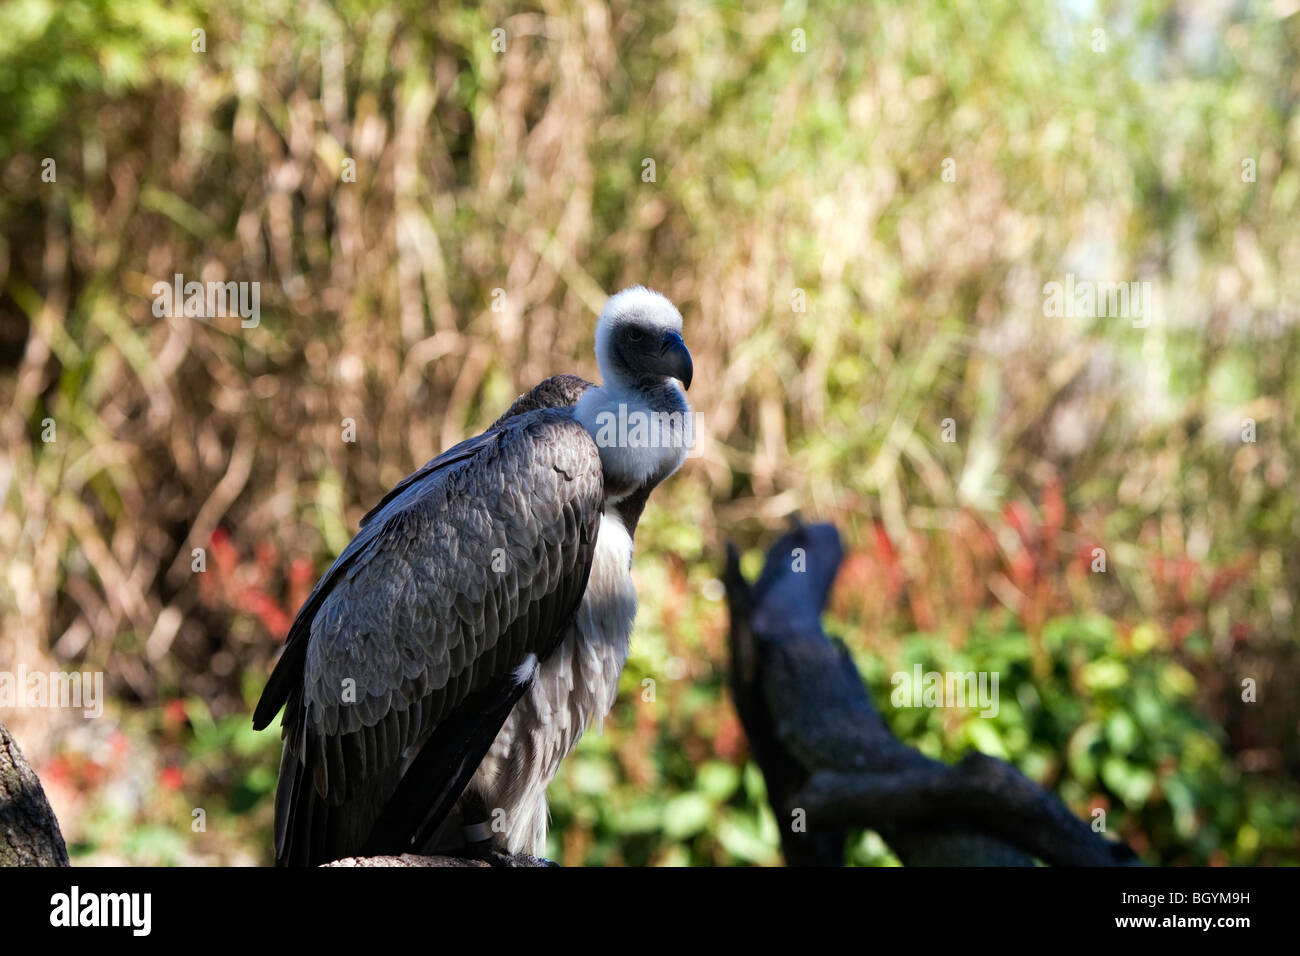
(634, 334)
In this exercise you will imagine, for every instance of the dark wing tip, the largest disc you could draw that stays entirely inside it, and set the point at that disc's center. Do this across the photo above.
(287, 671)
(263, 715)
(268, 706)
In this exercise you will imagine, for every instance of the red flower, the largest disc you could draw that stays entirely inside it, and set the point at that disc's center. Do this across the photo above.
(174, 712)
(171, 778)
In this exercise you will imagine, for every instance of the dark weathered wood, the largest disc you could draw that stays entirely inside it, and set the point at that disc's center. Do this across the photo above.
(29, 832)
(831, 763)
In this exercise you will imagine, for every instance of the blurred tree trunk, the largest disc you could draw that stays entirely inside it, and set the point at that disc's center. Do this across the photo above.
(831, 763)
(29, 833)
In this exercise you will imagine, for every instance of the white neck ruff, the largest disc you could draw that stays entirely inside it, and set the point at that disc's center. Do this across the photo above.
(641, 435)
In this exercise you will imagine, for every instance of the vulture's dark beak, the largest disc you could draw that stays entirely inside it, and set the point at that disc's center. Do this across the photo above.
(675, 358)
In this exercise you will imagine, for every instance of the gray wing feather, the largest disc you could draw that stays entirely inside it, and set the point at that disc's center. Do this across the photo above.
(467, 567)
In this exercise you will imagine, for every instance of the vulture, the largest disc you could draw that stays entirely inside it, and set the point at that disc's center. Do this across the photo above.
(460, 644)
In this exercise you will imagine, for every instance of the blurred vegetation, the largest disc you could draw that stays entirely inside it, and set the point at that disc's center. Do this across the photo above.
(798, 158)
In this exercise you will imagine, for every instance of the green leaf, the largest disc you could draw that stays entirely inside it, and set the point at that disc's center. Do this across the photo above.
(687, 814)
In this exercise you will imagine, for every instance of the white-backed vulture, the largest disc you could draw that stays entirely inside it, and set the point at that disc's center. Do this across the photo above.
(478, 622)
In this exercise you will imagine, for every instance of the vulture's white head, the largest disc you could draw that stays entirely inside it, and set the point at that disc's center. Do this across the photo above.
(638, 415)
(639, 341)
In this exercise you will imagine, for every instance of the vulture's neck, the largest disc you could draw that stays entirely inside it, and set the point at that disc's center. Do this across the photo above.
(643, 432)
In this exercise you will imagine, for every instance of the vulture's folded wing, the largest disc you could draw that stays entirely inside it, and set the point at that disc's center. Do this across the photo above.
(405, 654)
